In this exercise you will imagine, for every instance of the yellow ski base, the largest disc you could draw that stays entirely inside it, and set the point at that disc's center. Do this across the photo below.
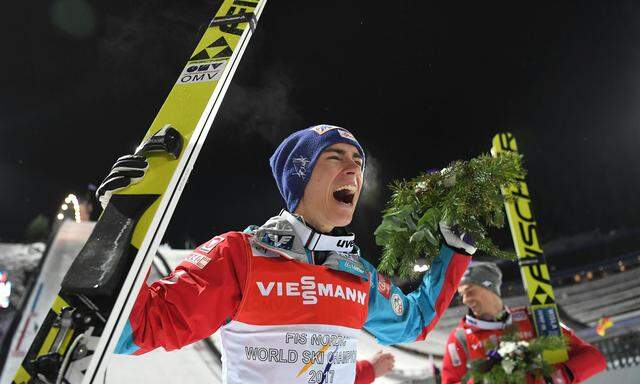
(533, 267)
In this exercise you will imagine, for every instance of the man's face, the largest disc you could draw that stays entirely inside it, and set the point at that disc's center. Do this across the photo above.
(480, 300)
(332, 193)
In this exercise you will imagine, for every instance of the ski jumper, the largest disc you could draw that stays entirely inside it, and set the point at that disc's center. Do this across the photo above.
(468, 341)
(282, 318)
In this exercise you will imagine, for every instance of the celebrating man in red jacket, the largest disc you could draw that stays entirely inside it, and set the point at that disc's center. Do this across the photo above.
(290, 296)
(487, 319)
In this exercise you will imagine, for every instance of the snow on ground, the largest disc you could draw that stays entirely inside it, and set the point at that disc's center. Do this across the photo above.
(68, 240)
(21, 261)
(191, 364)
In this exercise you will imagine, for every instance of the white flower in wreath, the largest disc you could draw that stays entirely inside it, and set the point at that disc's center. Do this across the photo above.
(506, 347)
(449, 178)
(421, 186)
(523, 343)
(508, 365)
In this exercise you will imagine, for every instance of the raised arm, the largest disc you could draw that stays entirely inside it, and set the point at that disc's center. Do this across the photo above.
(198, 297)
(398, 318)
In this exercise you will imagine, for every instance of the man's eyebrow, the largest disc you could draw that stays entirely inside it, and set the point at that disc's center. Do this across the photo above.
(343, 152)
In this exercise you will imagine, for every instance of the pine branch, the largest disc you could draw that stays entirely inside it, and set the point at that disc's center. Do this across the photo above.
(467, 194)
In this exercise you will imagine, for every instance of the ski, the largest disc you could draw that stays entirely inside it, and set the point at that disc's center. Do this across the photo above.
(533, 267)
(82, 327)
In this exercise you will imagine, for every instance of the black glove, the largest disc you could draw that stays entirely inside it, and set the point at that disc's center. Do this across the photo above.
(127, 170)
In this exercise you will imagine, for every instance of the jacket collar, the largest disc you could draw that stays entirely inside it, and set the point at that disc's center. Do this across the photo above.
(288, 236)
(315, 241)
(474, 322)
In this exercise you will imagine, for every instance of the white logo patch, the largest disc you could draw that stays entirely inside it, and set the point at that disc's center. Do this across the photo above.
(397, 305)
(322, 129)
(211, 244)
(310, 290)
(280, 241)
(202, 72)
(487, 283)
(300, 166)
(346, 134)
(198, 260)
(453, 354)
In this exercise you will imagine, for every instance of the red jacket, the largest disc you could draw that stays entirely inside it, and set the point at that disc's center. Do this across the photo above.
(274, 308)
(584, 359)
(231, 272)
(364, 372)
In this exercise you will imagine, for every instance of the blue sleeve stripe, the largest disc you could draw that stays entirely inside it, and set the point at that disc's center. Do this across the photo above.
(419, 307)
(430, 288)
(126, 345)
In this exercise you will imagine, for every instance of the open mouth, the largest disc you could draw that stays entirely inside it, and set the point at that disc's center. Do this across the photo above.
(345, 194)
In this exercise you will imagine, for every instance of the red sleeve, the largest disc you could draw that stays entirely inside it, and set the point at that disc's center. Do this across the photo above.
(584, 359)
(198, 297)
(364, 372)
(454, 364)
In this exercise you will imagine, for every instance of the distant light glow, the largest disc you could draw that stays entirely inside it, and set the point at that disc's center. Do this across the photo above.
(64, 207)
(73, 200)
(60, 216)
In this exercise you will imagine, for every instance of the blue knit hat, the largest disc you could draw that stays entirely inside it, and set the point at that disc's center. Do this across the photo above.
(295, 157)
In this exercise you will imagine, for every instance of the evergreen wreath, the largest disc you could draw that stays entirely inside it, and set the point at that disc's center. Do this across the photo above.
(466, 194)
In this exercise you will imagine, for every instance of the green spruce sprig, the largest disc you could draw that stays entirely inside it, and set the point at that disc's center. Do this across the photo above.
(466, 194)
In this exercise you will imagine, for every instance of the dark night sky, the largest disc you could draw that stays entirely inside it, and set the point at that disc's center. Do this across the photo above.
(419, 83)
